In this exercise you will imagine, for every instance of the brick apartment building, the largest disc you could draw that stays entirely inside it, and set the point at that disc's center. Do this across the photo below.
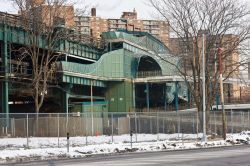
(94, 26)
(230, 61)
(62, 13)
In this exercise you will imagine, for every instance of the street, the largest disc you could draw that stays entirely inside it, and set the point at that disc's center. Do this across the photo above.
(235, 156)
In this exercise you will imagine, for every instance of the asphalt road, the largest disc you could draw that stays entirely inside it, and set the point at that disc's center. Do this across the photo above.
(235, 156)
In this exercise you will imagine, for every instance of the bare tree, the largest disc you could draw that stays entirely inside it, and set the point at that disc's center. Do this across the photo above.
(41, 20)
(188, 20)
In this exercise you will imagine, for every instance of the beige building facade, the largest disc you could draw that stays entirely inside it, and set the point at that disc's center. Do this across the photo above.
(230, 58)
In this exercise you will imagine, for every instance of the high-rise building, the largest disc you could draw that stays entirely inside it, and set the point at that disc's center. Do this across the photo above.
(64, 13)
(94, 25)
(186, 49)
(229, 43)
(49, 14)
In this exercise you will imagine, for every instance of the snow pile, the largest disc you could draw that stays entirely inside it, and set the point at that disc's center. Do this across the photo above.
(15, 149)
(243, 137)
(50, 142)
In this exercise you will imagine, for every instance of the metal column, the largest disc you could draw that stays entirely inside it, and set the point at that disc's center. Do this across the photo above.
(5, 85)
(66, 107)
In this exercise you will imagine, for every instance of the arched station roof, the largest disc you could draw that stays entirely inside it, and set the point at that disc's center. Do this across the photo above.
(124, 62)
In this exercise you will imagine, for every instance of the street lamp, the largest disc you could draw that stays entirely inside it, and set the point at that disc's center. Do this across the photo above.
(204, 138)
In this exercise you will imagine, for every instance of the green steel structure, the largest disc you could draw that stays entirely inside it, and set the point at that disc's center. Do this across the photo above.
(94, 79)
(128, 55)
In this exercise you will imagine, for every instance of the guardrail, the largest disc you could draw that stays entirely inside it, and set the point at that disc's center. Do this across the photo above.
(142, 74)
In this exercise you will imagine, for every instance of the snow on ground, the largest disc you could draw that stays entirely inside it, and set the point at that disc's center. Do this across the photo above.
(44, 142)
(15, 149)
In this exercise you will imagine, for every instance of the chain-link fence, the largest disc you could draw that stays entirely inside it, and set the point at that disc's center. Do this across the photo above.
(113, 124)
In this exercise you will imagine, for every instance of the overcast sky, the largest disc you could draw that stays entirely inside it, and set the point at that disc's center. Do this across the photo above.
(105, 8)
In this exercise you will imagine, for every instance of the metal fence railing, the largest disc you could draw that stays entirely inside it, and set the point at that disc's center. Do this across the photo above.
(142, 74)
(111, 124)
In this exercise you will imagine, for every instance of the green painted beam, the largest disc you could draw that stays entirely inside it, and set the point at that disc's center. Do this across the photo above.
(81, 81)
(19, 36)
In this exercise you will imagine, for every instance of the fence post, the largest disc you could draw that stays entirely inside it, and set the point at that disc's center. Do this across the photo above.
(139, 123)
(58, 129)
(86, 129)
(68, 142)
(248, 120)
(193, 125)
(157, 125)
(215, 128)
(232, 128)
(210, 124)
(163, 125)
(129, 122)
(181, 130)
(182, 138)
(135, 128)
(242, 123)
(27, 129)
(243, 117)
(197, 124)
(178, 127)
(112, 119)
(14, 127)
(131, 139)
(150, 124)
(6, 129)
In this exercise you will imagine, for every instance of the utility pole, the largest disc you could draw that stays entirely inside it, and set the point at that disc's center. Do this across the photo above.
(222, 95)
(203, 89)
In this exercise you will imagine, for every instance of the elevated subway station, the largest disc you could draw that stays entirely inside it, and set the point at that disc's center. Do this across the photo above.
(127, 57)
(91, 77)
